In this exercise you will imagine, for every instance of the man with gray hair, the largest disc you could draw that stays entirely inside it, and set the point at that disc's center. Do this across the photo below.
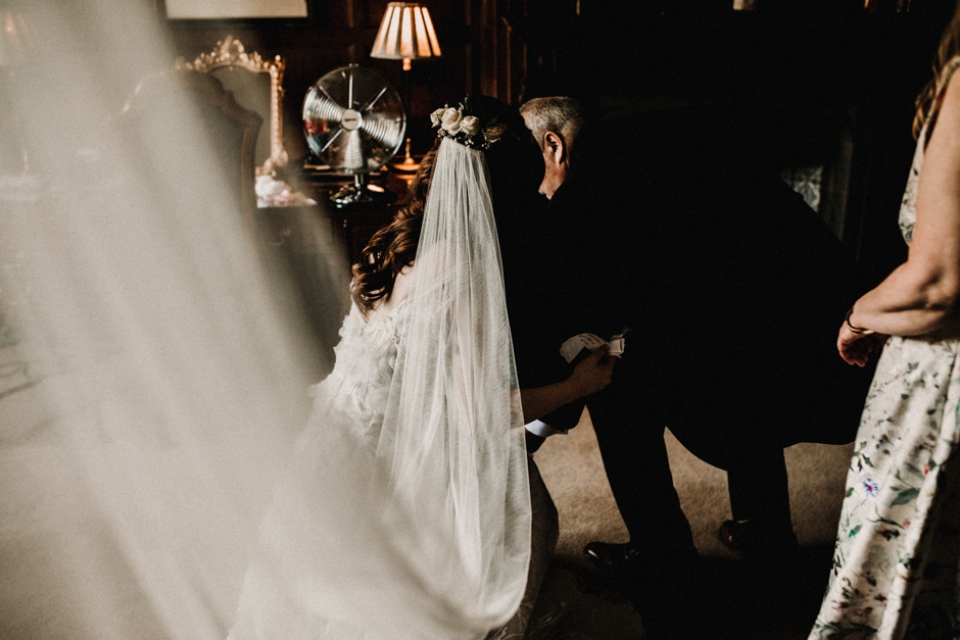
(664, 222)
(555, 123)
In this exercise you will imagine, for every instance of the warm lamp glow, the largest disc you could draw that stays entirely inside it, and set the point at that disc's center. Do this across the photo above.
(406, 33)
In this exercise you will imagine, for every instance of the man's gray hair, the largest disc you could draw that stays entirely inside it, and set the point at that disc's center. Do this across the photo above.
(559, 114)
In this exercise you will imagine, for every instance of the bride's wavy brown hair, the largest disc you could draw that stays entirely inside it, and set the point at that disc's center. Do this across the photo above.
(394, 246)
(516, 168)
(949, 48)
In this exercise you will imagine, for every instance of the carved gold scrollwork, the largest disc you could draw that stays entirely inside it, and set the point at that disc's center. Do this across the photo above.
(230, 53)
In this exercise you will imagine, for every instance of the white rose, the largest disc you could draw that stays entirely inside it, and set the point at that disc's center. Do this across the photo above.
(493, 132)
(450, 120)
(470, 125)
(436, 116)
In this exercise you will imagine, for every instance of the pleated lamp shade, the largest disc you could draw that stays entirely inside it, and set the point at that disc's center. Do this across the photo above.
(406, 33)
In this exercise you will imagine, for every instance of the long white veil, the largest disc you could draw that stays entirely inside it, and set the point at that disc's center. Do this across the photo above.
(150, 388)
(455, 418)
(152, 391)
(425, 533)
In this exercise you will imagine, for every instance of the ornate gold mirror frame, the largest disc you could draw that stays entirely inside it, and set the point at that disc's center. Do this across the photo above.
(230, 53)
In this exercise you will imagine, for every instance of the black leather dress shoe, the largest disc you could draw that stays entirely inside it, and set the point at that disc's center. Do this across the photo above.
(612, 557)
(748, 538)
(666, 587)
(732, 533)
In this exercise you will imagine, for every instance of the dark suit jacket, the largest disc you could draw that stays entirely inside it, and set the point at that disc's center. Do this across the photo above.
(733, 287)
(529, 243)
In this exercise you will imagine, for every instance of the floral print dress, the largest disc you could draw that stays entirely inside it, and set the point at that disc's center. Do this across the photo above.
(895, 565)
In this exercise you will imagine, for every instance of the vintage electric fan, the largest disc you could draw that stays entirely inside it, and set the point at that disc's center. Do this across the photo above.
(354, 122)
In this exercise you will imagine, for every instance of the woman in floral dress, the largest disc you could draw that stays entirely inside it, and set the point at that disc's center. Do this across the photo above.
(895, 567)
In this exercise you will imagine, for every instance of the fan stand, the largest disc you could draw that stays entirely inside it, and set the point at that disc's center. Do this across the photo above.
(359, 194)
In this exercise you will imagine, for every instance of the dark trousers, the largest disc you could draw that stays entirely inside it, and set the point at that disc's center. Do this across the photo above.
(667, 584)
(665, 581)
(634, 455)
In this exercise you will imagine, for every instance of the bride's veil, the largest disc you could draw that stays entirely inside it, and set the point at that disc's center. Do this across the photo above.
(425, 532)
(456, 427)
(151, 391)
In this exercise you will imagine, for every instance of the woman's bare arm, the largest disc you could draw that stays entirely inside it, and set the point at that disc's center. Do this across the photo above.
(921, 295)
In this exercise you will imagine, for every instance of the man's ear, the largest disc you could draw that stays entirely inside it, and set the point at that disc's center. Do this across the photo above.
(555, 148)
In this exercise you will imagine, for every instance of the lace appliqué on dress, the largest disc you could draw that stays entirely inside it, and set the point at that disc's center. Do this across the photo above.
(354, 395)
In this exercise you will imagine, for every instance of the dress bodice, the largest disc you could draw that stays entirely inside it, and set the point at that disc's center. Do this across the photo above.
(355, 392)
(908, 206)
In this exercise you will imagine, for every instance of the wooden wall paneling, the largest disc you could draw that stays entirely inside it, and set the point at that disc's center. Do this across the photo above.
(519, 54)
(471, 14)
(507, 71)
(488, 42)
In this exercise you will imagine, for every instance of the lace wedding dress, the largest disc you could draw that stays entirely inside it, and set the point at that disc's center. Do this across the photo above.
(354, 396)
(348, 412)
(405, 511)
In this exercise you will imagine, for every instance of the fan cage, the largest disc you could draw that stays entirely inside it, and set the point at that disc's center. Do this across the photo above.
(354, 120)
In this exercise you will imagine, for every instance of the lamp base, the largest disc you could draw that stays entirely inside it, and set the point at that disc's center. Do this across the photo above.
(408, 164)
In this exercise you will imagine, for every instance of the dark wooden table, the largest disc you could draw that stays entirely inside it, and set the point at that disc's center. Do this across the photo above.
(355, 225)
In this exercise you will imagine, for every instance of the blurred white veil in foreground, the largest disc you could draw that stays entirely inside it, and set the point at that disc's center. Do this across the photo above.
(150, 390)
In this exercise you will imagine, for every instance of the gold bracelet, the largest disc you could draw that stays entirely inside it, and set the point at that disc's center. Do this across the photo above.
(857, 330)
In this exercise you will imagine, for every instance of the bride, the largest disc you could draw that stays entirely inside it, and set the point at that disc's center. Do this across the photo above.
(406, 509)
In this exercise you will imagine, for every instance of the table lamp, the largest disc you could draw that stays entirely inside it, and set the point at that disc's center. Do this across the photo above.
(406, 33)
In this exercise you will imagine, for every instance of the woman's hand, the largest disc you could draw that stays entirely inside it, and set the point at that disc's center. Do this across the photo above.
(855, 348)
(593, 373)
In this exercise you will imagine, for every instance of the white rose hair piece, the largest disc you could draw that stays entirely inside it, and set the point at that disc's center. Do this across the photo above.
(467, 124)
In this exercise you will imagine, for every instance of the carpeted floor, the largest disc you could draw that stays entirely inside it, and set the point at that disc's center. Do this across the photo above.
(759, 601)
(50, 539)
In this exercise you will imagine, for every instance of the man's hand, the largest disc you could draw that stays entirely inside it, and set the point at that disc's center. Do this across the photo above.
(855, 348)
(593, 373)
(589, 376)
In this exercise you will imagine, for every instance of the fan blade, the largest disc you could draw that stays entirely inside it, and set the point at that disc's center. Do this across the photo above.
(331, 98)
(386, 131)
(354, 154)
(318, 109)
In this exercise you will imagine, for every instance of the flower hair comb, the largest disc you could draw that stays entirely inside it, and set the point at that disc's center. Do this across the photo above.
(466, 127)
